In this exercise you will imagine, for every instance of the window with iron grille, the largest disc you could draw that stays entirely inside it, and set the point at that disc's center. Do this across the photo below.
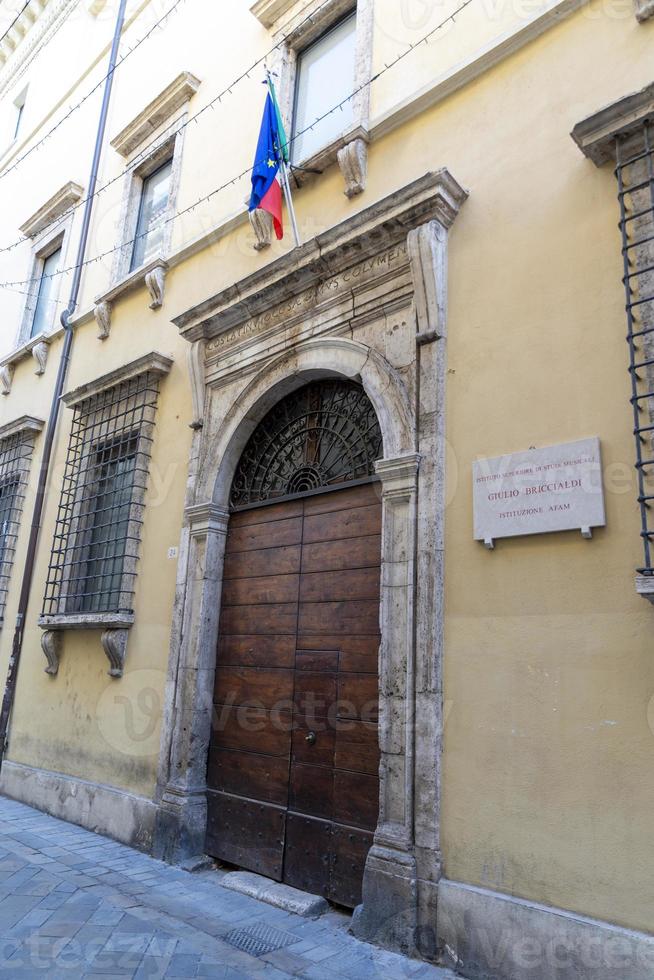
(15, 458)
(623, 133)
(96, 542)
(635, 174)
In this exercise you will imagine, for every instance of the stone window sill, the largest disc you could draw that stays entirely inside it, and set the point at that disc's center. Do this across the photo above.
(152, 275)
(333, 153)
(115, 627)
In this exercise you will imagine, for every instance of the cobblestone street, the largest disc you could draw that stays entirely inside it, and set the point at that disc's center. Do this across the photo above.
(74, 904)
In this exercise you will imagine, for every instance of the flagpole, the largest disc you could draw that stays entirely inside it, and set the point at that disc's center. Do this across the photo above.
(284, 172)
(289, 203)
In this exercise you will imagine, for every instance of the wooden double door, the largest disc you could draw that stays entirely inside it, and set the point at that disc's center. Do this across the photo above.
(293, 785)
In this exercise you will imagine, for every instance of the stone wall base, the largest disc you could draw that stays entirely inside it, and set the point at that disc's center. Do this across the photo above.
(388, 915)
(484, 935)
(103, 809)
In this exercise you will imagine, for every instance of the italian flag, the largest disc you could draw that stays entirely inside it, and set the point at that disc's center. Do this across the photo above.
(272, 152)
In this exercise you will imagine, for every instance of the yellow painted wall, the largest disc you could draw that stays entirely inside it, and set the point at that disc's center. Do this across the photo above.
(547, 788)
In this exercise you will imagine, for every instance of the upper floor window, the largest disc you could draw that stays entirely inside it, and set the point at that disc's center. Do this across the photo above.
(44, 310)
(48, 231)
(324, 79)
(153, 208)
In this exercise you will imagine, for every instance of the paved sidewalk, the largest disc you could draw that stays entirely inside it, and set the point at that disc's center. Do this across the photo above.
(74, 904)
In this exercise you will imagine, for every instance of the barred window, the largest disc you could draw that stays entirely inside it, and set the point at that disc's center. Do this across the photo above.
(635, 173)
(15, 458)
(98, 529)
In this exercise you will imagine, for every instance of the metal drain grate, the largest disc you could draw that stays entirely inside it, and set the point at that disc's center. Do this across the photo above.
(259, 940)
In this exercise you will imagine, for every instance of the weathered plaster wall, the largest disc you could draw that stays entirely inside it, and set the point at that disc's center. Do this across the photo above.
(547, 789)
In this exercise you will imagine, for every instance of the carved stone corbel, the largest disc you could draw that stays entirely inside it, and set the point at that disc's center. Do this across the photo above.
(40, 355)
(645, 587)
(155, 281)
(114, 644)
(262, 225)
(6, 377)
(102, 313)
(195, 356)
(51, 641)
(644, 10)
(353, 162)
(427, 250)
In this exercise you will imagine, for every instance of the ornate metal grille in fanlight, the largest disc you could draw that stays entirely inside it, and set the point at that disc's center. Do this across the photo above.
(321, 435)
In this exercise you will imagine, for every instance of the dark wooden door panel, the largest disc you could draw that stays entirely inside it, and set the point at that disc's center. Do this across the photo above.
(316, 752)
(358, 696)
(294, 755)
(349, 850)
(253, 685)
(257, 651)
(358, 616)
(266, 514)
(354, 523)
(356, 747)
(347, 499)
(321, 660)
(357, 583)
(246, 833)
(267, 561)
(315, 693)
(252, 729)
(260, 589)
(356, 653)
(312, 791)
(307, 857)
(274, 534)
(333, 555)
(273, 619)
(356, 799)
(260, 777)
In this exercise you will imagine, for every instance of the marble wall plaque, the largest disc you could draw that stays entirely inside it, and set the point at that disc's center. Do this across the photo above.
(558, 488)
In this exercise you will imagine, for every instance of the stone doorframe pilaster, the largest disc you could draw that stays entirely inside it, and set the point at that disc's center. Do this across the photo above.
(403, 866)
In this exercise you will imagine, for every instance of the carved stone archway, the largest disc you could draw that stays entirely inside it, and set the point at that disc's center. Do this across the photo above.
(392, 255)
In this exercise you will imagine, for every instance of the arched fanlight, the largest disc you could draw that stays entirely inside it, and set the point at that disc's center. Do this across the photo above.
(321, 435)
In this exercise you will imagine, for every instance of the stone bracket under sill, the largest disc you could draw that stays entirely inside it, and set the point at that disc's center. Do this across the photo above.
(152, 276)
(37, 347)
(645, 587)
(115, 631)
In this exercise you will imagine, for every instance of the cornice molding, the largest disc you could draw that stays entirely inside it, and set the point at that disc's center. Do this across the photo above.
(268, 12)
(596, 135)
(154, 362)
(398, 470)
(26, 423)
(34, 25)
(156, 113)
(206, 518)
(436, 196)
(48, 213)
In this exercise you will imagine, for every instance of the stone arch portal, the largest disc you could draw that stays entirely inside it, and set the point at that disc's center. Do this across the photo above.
(402, 869)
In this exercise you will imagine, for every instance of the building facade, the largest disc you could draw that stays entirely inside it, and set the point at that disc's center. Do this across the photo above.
(258, 514)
